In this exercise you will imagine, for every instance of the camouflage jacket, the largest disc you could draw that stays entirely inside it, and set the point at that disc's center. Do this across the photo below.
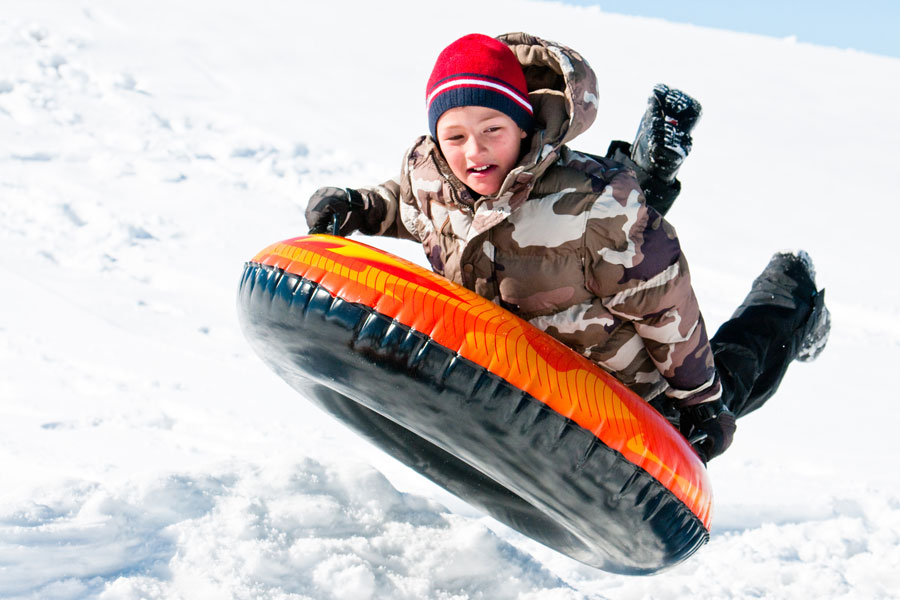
(567, 243)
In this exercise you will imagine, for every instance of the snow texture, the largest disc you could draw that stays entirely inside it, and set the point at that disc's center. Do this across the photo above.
(149, 148)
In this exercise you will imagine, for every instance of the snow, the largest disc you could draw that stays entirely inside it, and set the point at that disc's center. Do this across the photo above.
(149, 148)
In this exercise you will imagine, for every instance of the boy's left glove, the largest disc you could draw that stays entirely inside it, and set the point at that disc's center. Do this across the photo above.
(333, 208)
(709, 426)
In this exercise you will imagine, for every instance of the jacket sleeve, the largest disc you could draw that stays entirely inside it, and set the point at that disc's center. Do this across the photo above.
(383, 205)
(643, 278)
(381, 209)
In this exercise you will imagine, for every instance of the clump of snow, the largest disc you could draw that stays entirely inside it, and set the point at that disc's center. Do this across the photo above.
(150, 148)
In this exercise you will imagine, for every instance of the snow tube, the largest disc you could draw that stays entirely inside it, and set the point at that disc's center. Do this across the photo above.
(479, 401)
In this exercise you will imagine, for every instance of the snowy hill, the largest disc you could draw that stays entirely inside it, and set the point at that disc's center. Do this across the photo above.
(149, 148)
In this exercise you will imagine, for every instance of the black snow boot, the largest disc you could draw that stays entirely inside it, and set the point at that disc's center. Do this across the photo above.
(783, 318)
(662, 143)
(663, 140)
(816, 330)
(789, 281)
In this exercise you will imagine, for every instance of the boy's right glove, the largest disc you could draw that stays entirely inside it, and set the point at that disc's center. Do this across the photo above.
(709, 426)
(332, 207)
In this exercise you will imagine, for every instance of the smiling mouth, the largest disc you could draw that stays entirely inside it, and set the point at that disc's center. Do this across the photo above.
(479, 170)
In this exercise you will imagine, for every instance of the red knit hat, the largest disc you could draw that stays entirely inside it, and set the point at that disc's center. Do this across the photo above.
(478, 70)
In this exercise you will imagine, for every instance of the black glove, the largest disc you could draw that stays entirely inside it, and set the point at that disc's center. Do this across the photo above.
(331, 209)
(709, 427)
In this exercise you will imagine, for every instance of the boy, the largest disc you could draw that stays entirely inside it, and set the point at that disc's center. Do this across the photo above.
(567, 240)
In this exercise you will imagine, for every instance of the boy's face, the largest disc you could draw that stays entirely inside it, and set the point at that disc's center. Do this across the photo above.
(481, 146)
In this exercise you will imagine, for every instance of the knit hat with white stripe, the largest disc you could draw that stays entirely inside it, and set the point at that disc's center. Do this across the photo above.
(477, 70)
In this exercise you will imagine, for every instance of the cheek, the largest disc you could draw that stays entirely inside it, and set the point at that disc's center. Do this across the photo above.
(455, 158)
(511, 153)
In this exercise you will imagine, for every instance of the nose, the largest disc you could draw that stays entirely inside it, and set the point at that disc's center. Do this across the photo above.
(473, 147)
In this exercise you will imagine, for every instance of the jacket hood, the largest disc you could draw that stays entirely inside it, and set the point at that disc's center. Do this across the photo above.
(562, 88)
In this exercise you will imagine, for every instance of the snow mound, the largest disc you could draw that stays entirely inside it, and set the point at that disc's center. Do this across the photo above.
(290, 530)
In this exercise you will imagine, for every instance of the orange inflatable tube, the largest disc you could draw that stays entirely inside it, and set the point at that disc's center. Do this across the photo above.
(478, 400)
